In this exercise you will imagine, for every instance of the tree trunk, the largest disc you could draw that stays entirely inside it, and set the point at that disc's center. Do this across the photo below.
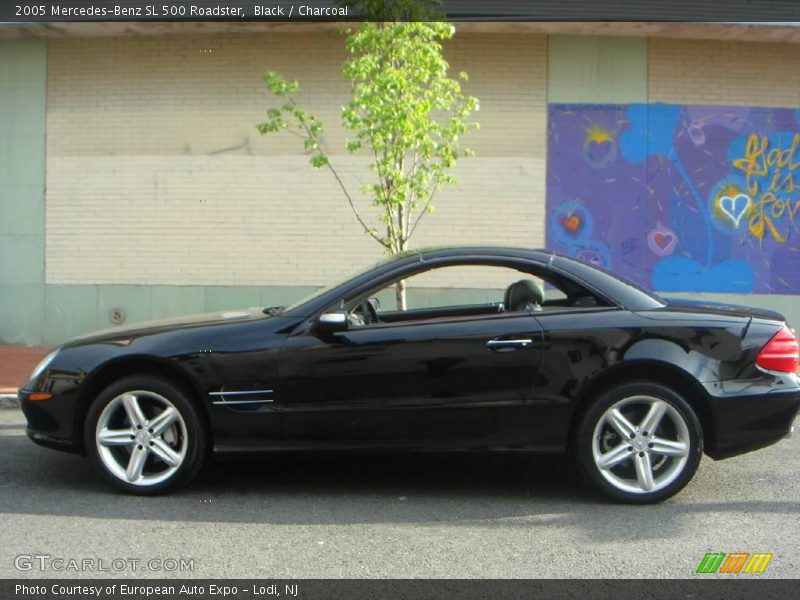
(400, 286)
(400, 294)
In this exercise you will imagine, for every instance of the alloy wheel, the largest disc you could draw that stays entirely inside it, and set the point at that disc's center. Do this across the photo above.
(141, 438)
(641, 444)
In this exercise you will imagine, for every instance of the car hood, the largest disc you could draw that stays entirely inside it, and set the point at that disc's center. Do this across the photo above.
(172, 324)
(721, 308)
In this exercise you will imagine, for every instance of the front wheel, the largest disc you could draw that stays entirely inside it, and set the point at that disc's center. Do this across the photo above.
(639, 443)
(144, 436)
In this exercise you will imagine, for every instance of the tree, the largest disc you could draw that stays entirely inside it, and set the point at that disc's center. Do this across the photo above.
(404, 111)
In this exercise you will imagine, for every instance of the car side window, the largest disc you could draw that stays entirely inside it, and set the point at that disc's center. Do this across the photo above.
(460, 285)
(466, 291)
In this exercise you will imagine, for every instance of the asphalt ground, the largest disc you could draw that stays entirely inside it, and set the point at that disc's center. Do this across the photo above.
(391, 515)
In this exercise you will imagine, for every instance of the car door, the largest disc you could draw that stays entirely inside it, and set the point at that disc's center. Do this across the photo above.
(428, 382)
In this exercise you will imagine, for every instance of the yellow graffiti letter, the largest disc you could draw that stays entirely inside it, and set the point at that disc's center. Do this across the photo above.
(752, 164)
(761, 221)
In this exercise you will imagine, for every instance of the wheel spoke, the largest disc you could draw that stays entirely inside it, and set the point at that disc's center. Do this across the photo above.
(614, 456)
(655, 437)
(618, 421)
(116, 437)
(136, 463)
(669, 447)
(133, 410)
(141, 437)
(163, 451)
(644, 471)
(653, 417)
(163, 420)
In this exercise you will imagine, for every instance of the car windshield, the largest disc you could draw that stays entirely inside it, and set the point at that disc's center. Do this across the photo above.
(327, 288)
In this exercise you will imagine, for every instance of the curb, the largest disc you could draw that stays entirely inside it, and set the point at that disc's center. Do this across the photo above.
(9, 401)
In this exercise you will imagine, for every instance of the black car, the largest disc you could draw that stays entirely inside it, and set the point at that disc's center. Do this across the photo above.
(546, 354)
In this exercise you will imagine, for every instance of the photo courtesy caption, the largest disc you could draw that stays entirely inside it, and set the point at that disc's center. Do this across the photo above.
(124, 589)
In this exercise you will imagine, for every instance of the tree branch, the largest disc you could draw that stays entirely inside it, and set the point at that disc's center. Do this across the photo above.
(377, 238)
(410, 175)
(328, 164)
(425, 207)
(390, 232)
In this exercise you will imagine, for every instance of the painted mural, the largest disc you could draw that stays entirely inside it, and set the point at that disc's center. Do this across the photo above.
(678, 198)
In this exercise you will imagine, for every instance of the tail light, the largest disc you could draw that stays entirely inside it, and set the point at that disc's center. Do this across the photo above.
(782, 352)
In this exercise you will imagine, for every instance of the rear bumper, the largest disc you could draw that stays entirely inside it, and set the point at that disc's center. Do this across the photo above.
(744, 421)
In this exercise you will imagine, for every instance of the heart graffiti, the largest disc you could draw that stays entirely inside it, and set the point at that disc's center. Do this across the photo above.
(662, 240)
(735, 207)
(572, 223)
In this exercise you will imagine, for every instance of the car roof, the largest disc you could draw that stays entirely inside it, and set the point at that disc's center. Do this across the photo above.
(619, 290)
(445, 251)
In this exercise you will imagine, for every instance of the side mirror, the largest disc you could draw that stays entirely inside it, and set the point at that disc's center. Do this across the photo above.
(331, 322)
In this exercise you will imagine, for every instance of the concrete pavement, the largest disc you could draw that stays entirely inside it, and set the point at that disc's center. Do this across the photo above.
(374, 515)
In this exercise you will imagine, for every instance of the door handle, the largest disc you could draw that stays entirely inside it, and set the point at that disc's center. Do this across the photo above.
(508, 344)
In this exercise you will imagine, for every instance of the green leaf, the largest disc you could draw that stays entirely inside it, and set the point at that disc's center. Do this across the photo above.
(353, 146)
(318, 160)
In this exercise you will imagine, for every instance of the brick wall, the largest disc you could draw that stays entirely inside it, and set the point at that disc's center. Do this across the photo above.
(157, 175)
(722, 72)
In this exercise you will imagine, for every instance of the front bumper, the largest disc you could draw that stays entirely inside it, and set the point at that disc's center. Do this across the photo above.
(50, 422)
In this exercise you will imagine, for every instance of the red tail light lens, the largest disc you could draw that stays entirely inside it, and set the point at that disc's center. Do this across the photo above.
(782, 352)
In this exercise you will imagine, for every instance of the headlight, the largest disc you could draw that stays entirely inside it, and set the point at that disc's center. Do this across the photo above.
(43, 364)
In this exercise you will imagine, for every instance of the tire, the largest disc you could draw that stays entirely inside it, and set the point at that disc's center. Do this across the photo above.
(144, 436)
(617, 465)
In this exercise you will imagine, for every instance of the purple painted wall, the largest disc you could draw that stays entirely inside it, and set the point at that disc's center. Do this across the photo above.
(678, 198)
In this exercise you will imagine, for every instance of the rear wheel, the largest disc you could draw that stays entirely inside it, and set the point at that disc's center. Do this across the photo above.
(639, 443)
(144, 436)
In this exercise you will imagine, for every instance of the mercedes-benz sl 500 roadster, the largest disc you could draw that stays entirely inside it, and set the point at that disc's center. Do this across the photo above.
(481, 349)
